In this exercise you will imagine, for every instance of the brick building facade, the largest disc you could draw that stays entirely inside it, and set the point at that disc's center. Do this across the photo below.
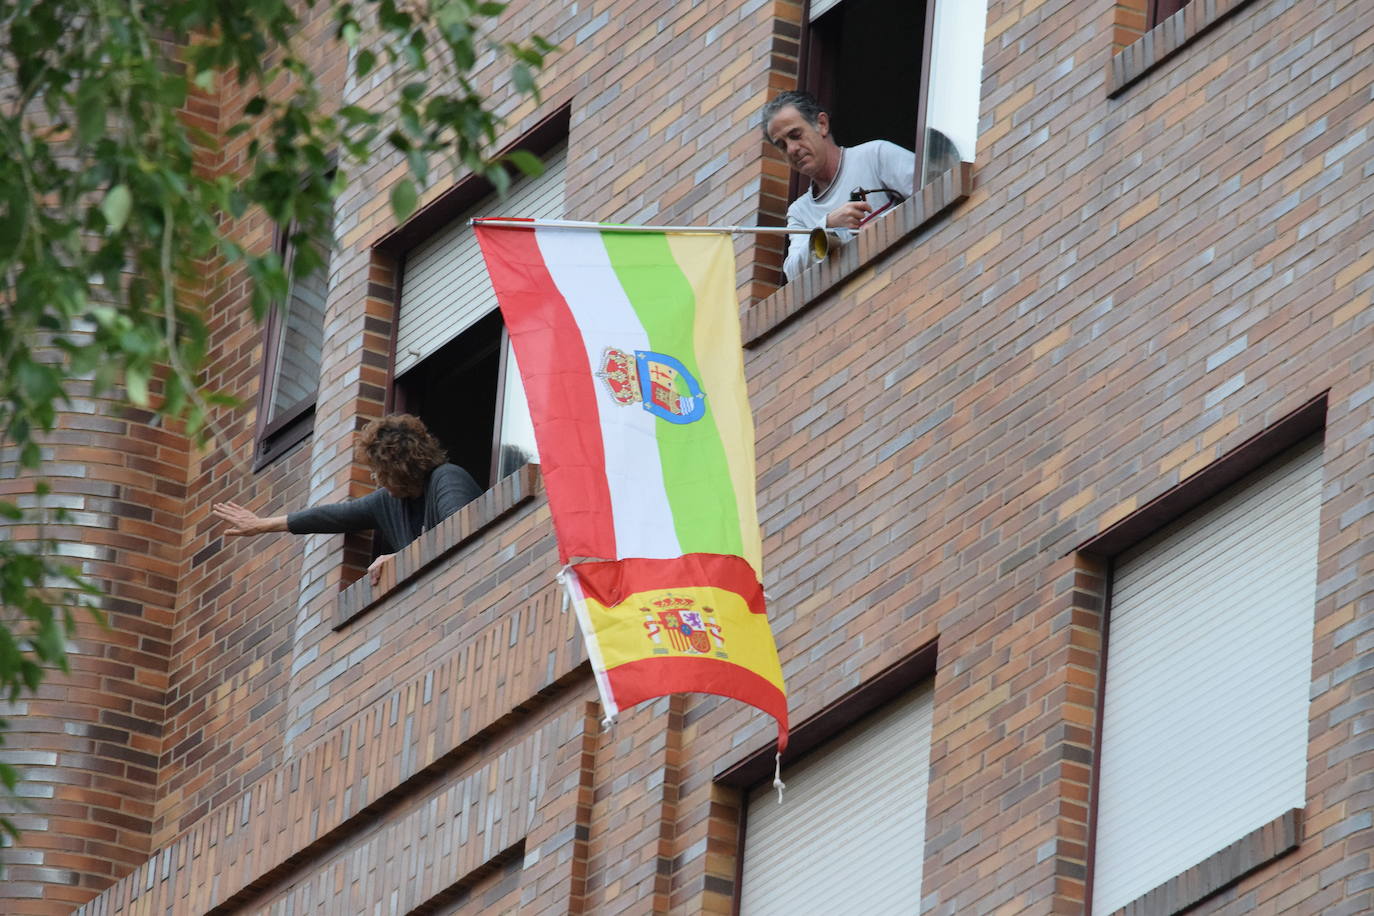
(1151, 282)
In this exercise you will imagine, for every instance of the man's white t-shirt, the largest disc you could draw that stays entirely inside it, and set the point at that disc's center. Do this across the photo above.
(872, 165)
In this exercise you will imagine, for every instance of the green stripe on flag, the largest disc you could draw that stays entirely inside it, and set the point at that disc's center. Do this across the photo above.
(695, 472)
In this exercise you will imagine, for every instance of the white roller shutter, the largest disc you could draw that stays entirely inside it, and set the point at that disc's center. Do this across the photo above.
(819, 8)
(850, 837)
(446, 289)
(1209, 657)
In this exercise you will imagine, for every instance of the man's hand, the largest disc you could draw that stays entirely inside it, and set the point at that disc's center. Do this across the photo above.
(374, 572)
(243, 522)
(848, 216)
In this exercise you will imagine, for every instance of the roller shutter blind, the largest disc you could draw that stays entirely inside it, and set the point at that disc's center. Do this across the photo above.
(446, 289)
(850, 837)
(1209, 656)
(819, 8)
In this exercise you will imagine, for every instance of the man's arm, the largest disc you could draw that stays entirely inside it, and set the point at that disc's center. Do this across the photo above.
(798, 246)
(897, 168)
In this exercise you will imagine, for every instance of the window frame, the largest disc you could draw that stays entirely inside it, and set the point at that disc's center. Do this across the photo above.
(276, 436)
(811, 64)
(1161, 10)
(545, 136)
(1282, 835)
(755, 769)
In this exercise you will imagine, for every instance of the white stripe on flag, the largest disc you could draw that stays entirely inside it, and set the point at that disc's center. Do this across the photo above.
(581, 268)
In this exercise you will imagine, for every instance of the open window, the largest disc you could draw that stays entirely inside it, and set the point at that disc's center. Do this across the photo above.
(293, 340)
(454, 366)
(1163, 9)
(897, 70)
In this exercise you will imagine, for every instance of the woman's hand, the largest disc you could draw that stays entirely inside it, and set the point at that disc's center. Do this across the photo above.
(374, 572)
(243, 522)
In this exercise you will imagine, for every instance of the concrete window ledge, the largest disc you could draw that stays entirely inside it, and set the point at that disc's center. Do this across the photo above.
(429, 548)
(819, 280)
(1220, 870)
(1165, 40)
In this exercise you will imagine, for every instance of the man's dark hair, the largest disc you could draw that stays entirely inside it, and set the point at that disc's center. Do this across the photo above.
(804, 102)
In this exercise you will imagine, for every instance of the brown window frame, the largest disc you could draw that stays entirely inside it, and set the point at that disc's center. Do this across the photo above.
(812, 734)
(542, 138)
(1281, 836)
(295, 424)
(817, 58)
(1163, 9)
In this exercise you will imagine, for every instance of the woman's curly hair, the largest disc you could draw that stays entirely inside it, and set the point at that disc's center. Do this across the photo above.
(401, 453)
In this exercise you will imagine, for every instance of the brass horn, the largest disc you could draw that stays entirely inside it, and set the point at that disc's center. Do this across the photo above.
(821, 240)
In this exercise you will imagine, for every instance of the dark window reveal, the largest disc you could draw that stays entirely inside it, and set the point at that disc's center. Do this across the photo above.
(900, 71)
(1163, 9)
(468, 393)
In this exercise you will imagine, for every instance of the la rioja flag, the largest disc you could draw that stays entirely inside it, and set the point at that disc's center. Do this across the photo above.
(629, 350)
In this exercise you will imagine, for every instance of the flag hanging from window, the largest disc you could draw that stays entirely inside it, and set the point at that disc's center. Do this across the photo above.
(629, 349)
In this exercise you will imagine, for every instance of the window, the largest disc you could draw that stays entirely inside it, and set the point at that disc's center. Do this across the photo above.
(1209, 654)
(862, 60)
(1163, 9)
(291, 365)
(851, 836)
(455, 368)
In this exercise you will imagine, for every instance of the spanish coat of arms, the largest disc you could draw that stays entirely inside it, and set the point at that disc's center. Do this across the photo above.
(685, 628)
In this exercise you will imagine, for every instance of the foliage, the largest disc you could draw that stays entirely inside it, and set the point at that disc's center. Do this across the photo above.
(106, 221)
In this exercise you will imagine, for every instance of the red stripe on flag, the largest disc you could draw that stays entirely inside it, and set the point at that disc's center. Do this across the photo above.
(635, 682)
(612, 583)
(560, 389)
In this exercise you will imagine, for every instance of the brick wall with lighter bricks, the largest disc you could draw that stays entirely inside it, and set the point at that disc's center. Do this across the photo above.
(1133, 287)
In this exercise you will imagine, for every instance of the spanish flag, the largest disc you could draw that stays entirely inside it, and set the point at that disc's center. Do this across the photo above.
(629, 348)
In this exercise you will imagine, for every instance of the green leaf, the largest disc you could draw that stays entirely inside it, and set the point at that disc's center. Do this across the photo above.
(523, 79)
(365, 62)
(90, 111)
(526, 162)
(205, 80)
(13, 216)
(350, 33)
(403, 199)
(136, 381)
(115, 207)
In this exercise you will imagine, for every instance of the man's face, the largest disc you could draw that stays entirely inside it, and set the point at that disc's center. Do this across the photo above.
(804, 144)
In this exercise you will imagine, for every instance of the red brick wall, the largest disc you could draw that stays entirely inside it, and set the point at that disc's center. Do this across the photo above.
(1134, 286)
(87, 744)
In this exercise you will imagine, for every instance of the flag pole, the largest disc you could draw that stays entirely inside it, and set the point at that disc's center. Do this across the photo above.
(821, 239)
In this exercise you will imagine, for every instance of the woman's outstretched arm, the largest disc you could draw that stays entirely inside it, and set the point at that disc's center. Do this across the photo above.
(243, 522)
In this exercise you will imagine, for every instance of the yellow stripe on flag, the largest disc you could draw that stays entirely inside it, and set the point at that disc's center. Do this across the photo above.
(708, 263)
(711, 623)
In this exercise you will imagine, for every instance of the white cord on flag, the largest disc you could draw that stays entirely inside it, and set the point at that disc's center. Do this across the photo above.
(777, 775)
(562, 579)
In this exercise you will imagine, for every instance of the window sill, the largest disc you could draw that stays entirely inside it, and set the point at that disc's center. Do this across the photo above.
(284, 435)
(819, 280)
(1212, 874)
(429, 548)
(1165, 40)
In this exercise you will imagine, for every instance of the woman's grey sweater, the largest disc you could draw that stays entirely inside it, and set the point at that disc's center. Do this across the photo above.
(399, 521)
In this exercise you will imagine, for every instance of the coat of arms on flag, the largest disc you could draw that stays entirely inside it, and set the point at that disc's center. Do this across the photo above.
(629, 349)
